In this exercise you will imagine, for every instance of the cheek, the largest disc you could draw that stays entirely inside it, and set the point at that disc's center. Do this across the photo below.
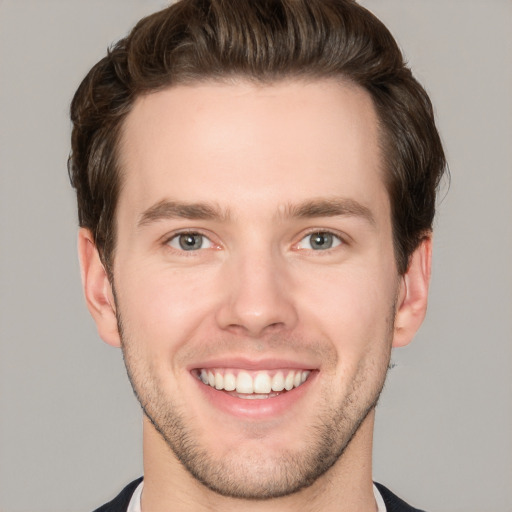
(352, 307)
(164, 307)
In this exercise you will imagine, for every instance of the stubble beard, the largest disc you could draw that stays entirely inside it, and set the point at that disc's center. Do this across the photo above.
(250, 476)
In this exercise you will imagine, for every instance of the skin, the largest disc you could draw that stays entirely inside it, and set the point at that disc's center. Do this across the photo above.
(257, 159)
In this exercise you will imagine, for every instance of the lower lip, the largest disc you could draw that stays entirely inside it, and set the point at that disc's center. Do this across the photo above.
(264, 408)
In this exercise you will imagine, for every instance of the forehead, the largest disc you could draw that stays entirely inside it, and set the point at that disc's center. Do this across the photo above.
(248, 146)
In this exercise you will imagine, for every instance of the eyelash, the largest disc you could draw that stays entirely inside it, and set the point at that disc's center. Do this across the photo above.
(322, 231)
(167, 241)
(341, 240)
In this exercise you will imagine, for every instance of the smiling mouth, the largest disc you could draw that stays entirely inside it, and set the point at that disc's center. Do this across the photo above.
(252, 385)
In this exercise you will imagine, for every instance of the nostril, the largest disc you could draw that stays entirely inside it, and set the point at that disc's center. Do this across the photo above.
(275, 325)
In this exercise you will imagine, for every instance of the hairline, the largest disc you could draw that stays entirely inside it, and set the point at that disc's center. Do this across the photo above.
(238, 78)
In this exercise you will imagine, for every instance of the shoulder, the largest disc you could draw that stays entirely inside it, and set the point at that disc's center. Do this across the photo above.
(393, 502)
(121, 501)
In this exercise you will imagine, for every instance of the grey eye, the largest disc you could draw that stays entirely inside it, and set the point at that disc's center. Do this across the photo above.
(319, 241)
(190, 242)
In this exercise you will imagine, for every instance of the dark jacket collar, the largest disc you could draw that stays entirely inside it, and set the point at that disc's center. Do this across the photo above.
(122, 500)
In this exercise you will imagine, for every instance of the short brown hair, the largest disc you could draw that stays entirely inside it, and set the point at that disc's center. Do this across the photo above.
(264, 41)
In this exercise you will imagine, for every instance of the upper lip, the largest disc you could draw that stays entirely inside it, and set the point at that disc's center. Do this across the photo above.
(243, 363)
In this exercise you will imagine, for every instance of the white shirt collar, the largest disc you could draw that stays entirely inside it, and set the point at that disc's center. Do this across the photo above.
(381, 506)
(134, 505)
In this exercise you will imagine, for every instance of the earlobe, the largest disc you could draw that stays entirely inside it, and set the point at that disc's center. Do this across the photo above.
(413, 294)
(97, 289)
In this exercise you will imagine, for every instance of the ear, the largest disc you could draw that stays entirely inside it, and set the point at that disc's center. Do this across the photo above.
(97, 289)
(413, 294)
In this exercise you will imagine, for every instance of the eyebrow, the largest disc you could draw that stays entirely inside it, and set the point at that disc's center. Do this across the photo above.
(330, 207)
(166, 209)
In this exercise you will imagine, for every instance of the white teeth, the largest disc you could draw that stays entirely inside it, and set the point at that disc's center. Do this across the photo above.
(254, 396)
(219, 380)
(278, 382)
(288, 382)
(229, 382)
(260, 384)
(244, 383)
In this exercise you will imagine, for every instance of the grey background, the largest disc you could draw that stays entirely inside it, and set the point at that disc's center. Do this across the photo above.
(70, 433)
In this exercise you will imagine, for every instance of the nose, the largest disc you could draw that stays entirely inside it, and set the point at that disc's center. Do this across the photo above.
(257, 296)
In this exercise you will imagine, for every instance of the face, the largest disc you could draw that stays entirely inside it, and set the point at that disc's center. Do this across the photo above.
(255, 281)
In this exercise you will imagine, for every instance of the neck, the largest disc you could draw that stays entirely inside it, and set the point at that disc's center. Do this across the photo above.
(346, 486)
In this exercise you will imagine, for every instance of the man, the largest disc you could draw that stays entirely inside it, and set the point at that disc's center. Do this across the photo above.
(256, 187)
